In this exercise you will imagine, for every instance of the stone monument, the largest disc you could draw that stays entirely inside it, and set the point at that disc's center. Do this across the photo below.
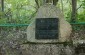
(51, 14)
(46, 30)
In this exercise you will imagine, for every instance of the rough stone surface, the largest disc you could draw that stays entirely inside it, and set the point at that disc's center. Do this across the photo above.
(46, 49)
(11, 43)
(50, 11)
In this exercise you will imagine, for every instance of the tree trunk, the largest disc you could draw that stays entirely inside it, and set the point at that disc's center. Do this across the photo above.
(37, 3)
(62, 5)
(55, 2)
(2, 5)
(49, 1)
(74, 11)
(42, 2)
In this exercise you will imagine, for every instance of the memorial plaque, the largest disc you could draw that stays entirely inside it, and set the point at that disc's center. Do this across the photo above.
(46, 28)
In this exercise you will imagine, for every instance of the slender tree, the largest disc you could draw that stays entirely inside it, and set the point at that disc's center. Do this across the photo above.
(62, 5)
(2, 5)
(38, 2)
(2, 9)
(55, 2)
(74, 11)
(52, 1)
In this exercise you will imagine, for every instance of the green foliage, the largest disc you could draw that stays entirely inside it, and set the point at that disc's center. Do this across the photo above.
(83, 4)
(3, 21)
(80, 10)
(1, 14)
(68, 15)
(22, 11)
(81, 14)
(18, 11)
(81, 17)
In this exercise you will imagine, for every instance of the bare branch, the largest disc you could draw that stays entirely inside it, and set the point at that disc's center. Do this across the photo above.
(37, 3)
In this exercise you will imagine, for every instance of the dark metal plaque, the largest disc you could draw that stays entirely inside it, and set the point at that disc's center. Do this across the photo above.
(46, 28)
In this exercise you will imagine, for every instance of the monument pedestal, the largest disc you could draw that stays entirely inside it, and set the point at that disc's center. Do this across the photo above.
(46, 49)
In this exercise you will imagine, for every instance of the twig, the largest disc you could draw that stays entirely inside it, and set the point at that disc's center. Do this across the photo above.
(79, 7)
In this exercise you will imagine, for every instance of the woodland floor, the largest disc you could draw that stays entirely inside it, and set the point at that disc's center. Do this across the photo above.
(10, 40)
